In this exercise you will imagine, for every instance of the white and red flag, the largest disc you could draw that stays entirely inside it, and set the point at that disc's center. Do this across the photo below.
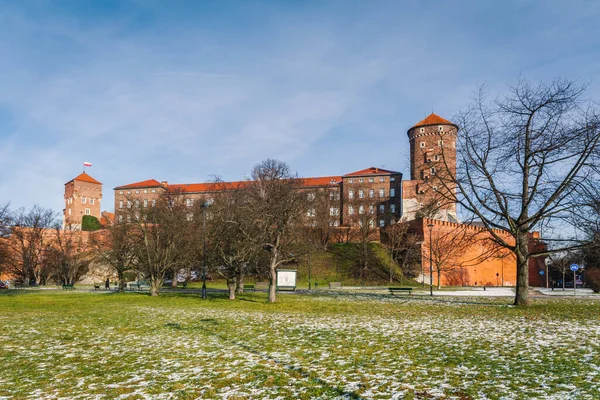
(87, 164)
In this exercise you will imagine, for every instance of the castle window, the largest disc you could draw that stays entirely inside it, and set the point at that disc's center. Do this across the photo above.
(436, 157)
(69, 212)
(361, 194)
(435, 188)
(145, 202)
(87, 211)
(137, 204)
(392, 192)
(371, 209)
(311, 212)
(83, 200)
(145, 191)
(382, 193)
(439, 204)
(392, 179)
(382, 179)
(360, 180)
(137, 192)
(153, 190)
(333, 211)
(371, 180)
(371, 193)
(382, 208)
(382, 223)
(128, 192)
(440, 143)
(121, 192)
(336, 223)
(433, 171)
(350, 180)
(189, 202)
(128, 204)
(361, 209)
(371, 223)
(92, 201)
(153, 202)
(120, 218)
(422, 145)
(350, 210)
(350, 194)
(453, 145)
(120, 203)
(440, 128)
(310, 196)
(422, 130)
(392, 208)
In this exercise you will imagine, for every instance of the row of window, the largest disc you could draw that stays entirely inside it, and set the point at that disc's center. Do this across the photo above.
(371, 180)
(361, 193)
(138, 192)
(361, 209)
(137, 203)
(87, 211)
(84, 200)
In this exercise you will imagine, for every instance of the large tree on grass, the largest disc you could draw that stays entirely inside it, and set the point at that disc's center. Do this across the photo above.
(68, 256)
(522, 163)
(277, 209)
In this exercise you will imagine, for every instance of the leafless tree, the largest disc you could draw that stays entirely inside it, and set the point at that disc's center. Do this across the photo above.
(447, 249)
(30, 236)
(404, 248)
(362, 221)
(524, 161)
(324, 214)
(229, 233)
(114, 246)
(561, 262)
(160, 237)
(68, 255)
(277, 208)
(5, 223)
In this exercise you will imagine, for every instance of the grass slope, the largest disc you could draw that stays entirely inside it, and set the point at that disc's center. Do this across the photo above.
(91, 345)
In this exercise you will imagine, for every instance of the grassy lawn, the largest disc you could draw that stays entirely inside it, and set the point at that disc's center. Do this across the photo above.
(104, 345)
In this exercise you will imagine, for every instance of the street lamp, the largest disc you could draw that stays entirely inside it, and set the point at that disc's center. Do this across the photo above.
(430, 226)
(204, 206)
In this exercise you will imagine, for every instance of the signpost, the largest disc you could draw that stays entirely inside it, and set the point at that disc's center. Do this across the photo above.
(574, 268)
(541, 276)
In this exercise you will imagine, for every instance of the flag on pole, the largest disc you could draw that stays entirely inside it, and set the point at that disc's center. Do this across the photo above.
(87, 164)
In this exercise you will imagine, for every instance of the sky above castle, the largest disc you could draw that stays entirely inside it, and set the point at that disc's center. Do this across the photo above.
(182, 91)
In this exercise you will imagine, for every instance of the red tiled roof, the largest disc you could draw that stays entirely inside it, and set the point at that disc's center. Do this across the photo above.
(433, 119)
(107, 218)
(83, 177)
(322, 181)
(372, 171)
(148, 183)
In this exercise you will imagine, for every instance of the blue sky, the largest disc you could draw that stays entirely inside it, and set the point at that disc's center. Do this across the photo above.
(181, 91)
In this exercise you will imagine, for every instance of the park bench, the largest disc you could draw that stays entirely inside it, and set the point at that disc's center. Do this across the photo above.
(401, 290)
(19, 286)
(249, 288)
(335, 285)
(68, 287)
(137, 286)
(261, 286)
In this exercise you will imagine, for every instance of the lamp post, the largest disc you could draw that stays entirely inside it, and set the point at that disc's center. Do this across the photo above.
(204, 205)
(430, 226)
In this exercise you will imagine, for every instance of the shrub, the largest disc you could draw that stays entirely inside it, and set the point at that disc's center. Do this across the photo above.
(592, 278)
(90, 223)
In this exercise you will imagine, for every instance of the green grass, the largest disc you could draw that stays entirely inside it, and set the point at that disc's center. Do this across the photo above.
(56, 344)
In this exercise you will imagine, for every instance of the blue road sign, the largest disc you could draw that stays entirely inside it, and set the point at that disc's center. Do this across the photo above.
(574, 267)
(542, 272)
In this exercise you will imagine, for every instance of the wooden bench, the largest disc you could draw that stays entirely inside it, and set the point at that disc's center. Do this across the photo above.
(261, 286)
(19, 286)
(249, 288)
(137, 286)
(401, 290)
(68, 287)
(335, 285)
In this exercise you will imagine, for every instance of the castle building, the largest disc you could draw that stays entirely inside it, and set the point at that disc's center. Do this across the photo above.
(83, 196)
(373, 190)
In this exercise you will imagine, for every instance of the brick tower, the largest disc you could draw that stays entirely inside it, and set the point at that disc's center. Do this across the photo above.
(83, 196)
(432, 152)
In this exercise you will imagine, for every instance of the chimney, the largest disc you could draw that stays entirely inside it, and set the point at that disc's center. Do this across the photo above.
(164, 183)
(376, 170)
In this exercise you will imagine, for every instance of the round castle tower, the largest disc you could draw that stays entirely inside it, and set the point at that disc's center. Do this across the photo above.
(432, 150)
(429, 139)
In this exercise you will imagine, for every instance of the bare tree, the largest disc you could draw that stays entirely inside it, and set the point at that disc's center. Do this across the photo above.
(362, 220)
(68, 255)
(522, 162)
(5, 223)
(277, 208)
(114, 246)
(31, 234)
(160, 234)
(323, 207)
(404, 248)
(229, 230)
(448, 249)
(560, 262)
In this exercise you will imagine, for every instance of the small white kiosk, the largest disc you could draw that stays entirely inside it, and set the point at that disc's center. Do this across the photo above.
(286, 279)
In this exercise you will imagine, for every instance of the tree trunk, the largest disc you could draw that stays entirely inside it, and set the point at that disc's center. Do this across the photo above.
(231, 286)
(439, 280)
(155, 285)
(175, 276)
(563, 280)
(522, 290)
(239, 284)
(272, 284)
(121, 280)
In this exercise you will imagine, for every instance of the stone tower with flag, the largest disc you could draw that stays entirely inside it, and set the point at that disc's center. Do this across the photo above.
(83, 196)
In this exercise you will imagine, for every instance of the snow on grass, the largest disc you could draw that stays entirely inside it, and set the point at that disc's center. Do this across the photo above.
(329, 346)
